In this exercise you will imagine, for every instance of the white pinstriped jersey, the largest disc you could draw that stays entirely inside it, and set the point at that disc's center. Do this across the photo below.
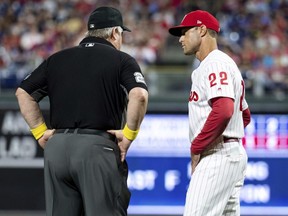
(216, 76)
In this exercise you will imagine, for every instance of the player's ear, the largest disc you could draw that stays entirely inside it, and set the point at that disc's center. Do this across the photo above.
(203, 30)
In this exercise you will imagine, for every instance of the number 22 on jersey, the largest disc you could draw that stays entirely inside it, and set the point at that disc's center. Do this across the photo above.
(223, 81)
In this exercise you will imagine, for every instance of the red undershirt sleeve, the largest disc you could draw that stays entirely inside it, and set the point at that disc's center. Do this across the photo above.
(246, 115)
(218, 119)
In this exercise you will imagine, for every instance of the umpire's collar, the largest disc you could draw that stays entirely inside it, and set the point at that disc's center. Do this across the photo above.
(88, 40)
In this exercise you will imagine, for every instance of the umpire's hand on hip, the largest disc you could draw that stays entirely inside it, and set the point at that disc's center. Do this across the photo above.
(46, 136)
(123, 142)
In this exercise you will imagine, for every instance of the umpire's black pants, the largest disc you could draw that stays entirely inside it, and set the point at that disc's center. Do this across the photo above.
(84, 176)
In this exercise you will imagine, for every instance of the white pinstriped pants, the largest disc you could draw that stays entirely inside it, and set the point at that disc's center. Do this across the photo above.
(214, 188)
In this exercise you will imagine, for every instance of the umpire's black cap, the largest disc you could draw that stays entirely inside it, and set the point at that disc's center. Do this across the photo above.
(105, 17)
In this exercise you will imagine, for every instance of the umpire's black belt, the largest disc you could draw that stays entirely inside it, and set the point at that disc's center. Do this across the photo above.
(87, 131)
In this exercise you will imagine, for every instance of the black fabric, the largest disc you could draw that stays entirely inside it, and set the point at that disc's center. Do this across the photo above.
(104, 17)
(104, 134)
(87, 85)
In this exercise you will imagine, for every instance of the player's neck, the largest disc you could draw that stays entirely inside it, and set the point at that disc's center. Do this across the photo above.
(208, 47)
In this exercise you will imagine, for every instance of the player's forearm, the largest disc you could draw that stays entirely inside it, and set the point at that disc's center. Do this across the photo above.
(246, 115)
(218, 119)
(137, 107)
(29, 108)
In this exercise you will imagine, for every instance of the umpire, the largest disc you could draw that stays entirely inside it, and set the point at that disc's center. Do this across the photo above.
(94, 90)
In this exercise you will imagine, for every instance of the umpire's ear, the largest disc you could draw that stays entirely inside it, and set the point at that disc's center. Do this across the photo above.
(116, 37)
(116, 33)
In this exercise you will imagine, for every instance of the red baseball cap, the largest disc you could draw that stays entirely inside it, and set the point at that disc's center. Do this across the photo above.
(196, 18)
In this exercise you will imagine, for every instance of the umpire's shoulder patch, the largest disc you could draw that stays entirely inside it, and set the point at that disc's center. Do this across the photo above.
(139, 77)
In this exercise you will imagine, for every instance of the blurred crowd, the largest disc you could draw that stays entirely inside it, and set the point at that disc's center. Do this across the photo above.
(253, 32)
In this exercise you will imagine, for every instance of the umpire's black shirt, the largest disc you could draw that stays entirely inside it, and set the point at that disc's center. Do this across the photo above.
(87, 85)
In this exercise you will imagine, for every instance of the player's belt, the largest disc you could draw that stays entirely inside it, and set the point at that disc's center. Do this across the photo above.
(87, 131)
(230, 139)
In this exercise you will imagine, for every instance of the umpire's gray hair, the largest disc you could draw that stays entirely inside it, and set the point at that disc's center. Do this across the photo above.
(103, 33)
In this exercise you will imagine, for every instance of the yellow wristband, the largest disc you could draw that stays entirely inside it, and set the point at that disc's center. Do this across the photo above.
(130, 134)
(39, 131)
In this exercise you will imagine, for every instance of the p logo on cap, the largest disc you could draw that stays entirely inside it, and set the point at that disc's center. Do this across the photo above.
(196, 18)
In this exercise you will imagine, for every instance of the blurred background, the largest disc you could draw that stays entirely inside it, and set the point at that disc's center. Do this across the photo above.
(253, 32)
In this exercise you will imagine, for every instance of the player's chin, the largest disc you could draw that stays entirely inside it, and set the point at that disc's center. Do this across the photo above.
(187, 53)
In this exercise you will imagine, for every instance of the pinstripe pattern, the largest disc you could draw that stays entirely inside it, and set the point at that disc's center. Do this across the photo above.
(215, 63)
(215, 185)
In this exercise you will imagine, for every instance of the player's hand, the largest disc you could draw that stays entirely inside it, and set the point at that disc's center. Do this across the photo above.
(194, 161)
(123, 143)
(46, 136)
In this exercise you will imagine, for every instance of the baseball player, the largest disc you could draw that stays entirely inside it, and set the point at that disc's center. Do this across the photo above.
(218, 114)
(94, 90)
